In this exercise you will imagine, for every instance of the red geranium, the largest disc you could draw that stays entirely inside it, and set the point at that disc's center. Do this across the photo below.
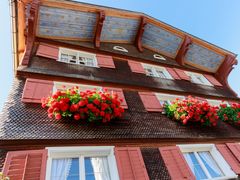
(193, 110)
(230, 113)
(90, 105)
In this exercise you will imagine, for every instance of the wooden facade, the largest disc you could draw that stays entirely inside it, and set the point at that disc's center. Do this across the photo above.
(145, 142)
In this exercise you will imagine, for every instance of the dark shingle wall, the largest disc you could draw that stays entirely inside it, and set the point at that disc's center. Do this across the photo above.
(29, 121)
(122, 75)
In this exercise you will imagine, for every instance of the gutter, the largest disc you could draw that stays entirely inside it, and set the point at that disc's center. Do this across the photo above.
(13, 15)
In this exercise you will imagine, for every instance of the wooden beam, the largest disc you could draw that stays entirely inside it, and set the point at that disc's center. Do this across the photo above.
(31, 31)
(225, 69)
(99, 29)
(138, 40)
(183, 50)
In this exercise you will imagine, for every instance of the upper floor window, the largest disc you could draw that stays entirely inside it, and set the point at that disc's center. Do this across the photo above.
(206, 162)
(85, 163)
(77, 57)
(156, 71)
(59, 86)
(198, 78)
(214, 102)
(158, 56)
(167, 98)
(120, 48)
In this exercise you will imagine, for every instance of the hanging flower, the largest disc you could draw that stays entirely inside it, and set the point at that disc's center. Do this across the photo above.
(192, 110)
(90, 105)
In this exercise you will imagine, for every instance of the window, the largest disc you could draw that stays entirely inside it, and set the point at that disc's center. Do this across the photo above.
(158, 56)
(62, 86)
(206, 162)
(167, 98)
(81, 163)
(214, 102)
(120, 48)
(77, 57)
(156, 71)
(198, 78)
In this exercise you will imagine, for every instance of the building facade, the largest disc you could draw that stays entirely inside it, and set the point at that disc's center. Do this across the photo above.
(147, 63)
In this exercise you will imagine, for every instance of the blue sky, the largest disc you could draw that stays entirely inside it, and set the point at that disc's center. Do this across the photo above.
(216, 21)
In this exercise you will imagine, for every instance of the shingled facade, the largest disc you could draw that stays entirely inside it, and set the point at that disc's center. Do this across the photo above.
(143, 59)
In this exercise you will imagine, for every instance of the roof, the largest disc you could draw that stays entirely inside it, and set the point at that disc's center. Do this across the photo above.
(82, 22)
(22, 121)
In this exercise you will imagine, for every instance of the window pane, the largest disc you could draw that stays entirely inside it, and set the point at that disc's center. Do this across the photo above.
(210, 164)
(160, 74)
(149, 72)
(96, 168)
(65, 169)
(195, 166)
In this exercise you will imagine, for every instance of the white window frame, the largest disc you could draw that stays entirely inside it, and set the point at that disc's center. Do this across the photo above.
(158, 56)
(81, 152)
(120, 48)
(154, 70)
(222, 164)
(194, 78)
(70, 85)
(78, 54)
(167, 97)
(214, 102)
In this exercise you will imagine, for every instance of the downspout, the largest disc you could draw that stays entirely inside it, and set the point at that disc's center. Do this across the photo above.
(14, 29)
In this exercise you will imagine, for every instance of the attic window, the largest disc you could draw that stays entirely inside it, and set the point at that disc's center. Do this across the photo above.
(120, 48)
(156, 71)
(158, 56)
(77, 57)
(198, 78)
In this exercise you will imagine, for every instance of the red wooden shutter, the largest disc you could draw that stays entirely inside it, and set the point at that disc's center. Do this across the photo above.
(130, 163)
(235, 149)
(182, 74)
(175, 163)
(173, 73)
(105, 61)
(231, 153)
(35, 89)
(212, 80)
(120, 94)
(26, 165)
(136, 67)
(48, 51)
(150, 101)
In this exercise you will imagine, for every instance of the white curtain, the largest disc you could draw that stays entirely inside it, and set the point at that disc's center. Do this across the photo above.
(210, 164)
(100, 168)
(60, 168)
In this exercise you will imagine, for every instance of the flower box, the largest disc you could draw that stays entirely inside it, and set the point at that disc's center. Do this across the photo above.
(192, 111)
(230, 114)
(90, 106)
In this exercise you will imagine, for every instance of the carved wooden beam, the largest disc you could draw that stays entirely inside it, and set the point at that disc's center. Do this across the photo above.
(225, 69)
(99, 29)
(183, 50)
(138, 40)
(31, 31)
